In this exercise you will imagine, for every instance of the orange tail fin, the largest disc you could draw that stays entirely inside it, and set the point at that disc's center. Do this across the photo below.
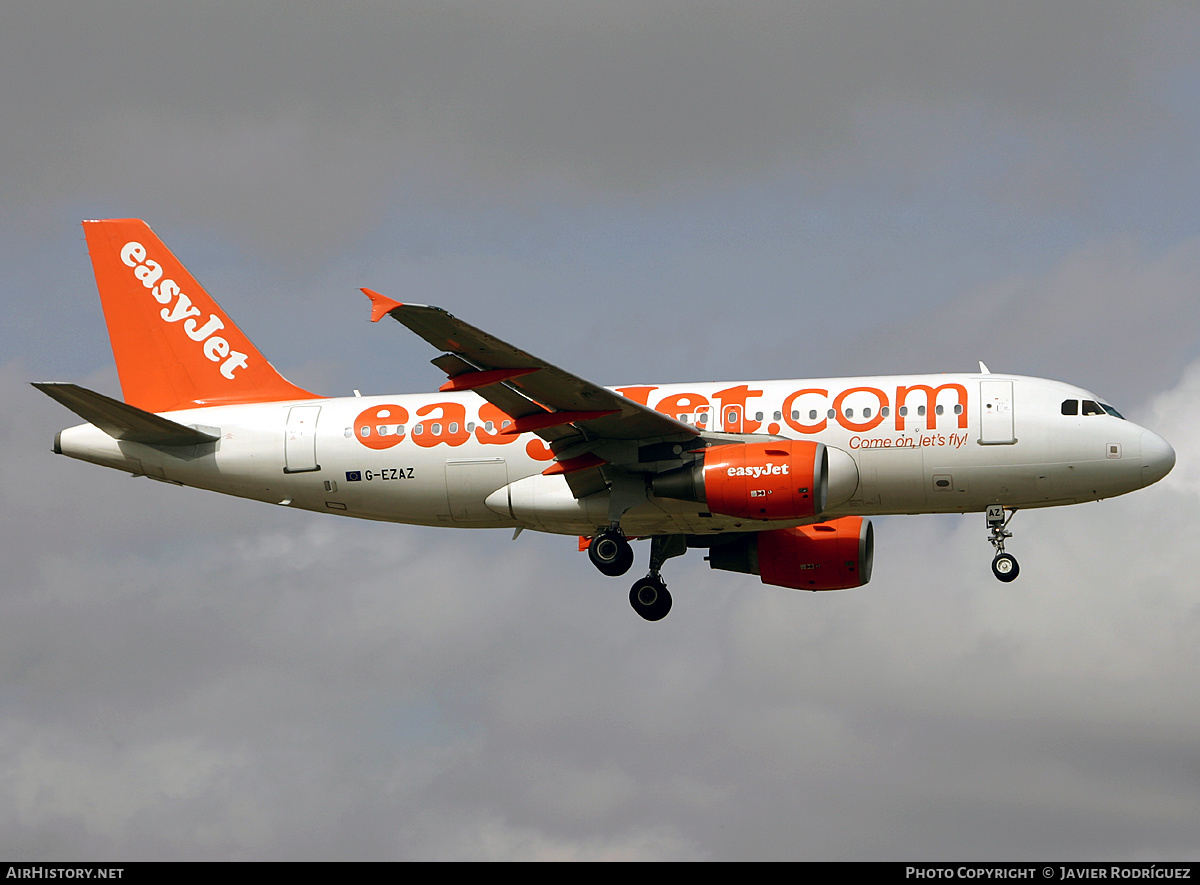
(174, 346)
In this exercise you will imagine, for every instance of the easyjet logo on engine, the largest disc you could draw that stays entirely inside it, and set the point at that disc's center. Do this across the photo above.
(767, 470)
(180, 309)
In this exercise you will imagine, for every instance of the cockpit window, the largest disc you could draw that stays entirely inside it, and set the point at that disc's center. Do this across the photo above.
(1090, 407)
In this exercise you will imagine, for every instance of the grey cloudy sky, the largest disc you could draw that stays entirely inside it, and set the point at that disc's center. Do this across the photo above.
(639, 192)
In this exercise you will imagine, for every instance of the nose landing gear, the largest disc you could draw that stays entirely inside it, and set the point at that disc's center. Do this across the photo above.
(1004, 566)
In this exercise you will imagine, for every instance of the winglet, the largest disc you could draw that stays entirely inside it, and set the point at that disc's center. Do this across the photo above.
(381, 305)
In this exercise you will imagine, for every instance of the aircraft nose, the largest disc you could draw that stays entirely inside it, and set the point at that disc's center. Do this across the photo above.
(1157, 457)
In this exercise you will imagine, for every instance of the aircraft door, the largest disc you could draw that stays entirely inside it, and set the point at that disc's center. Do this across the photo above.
(731, 418)
(996, 413)
(300, 440)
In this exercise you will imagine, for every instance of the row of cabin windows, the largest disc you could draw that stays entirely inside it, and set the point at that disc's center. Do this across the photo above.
(418, 429)
(1069, 407)
(885, 411)
(701, 418)
(1088, 407)
(868, 412)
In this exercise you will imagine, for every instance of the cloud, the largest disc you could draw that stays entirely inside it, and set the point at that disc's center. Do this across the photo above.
(1174, 414)
(300, 124)
(1111, 316)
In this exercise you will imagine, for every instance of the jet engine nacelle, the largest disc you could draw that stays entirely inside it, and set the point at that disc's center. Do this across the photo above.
(834, 555)
(784, 479)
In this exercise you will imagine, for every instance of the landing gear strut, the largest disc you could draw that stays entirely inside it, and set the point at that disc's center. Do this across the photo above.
(1004, 566)
(650, 597)
(610, 552)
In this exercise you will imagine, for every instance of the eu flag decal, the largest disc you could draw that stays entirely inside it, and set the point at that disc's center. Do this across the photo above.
(353, 476)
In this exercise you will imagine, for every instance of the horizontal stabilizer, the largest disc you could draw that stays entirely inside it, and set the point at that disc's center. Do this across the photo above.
(121, 420)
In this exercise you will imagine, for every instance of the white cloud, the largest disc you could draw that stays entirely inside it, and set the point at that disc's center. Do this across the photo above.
(1175, 415)
(1111, 316)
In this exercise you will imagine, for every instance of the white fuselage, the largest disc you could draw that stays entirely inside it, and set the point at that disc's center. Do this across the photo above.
(901, 444)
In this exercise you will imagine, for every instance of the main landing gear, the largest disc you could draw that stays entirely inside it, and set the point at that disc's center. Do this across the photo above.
(650, 598)
(610, 552)
(1004, 566)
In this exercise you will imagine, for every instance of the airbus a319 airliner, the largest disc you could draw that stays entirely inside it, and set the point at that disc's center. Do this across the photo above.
(773, 478)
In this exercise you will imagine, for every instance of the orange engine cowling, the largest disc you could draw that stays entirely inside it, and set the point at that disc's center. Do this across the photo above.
(785, 479)
(834, 555)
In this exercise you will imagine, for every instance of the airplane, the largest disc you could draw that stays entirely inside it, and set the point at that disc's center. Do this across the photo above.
(777, 479)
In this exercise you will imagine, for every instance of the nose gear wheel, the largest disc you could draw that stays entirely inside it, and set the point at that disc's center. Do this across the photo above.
(1004, 566)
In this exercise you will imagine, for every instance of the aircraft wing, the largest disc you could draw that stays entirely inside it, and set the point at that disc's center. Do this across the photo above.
(587, 426)
(544, 399)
